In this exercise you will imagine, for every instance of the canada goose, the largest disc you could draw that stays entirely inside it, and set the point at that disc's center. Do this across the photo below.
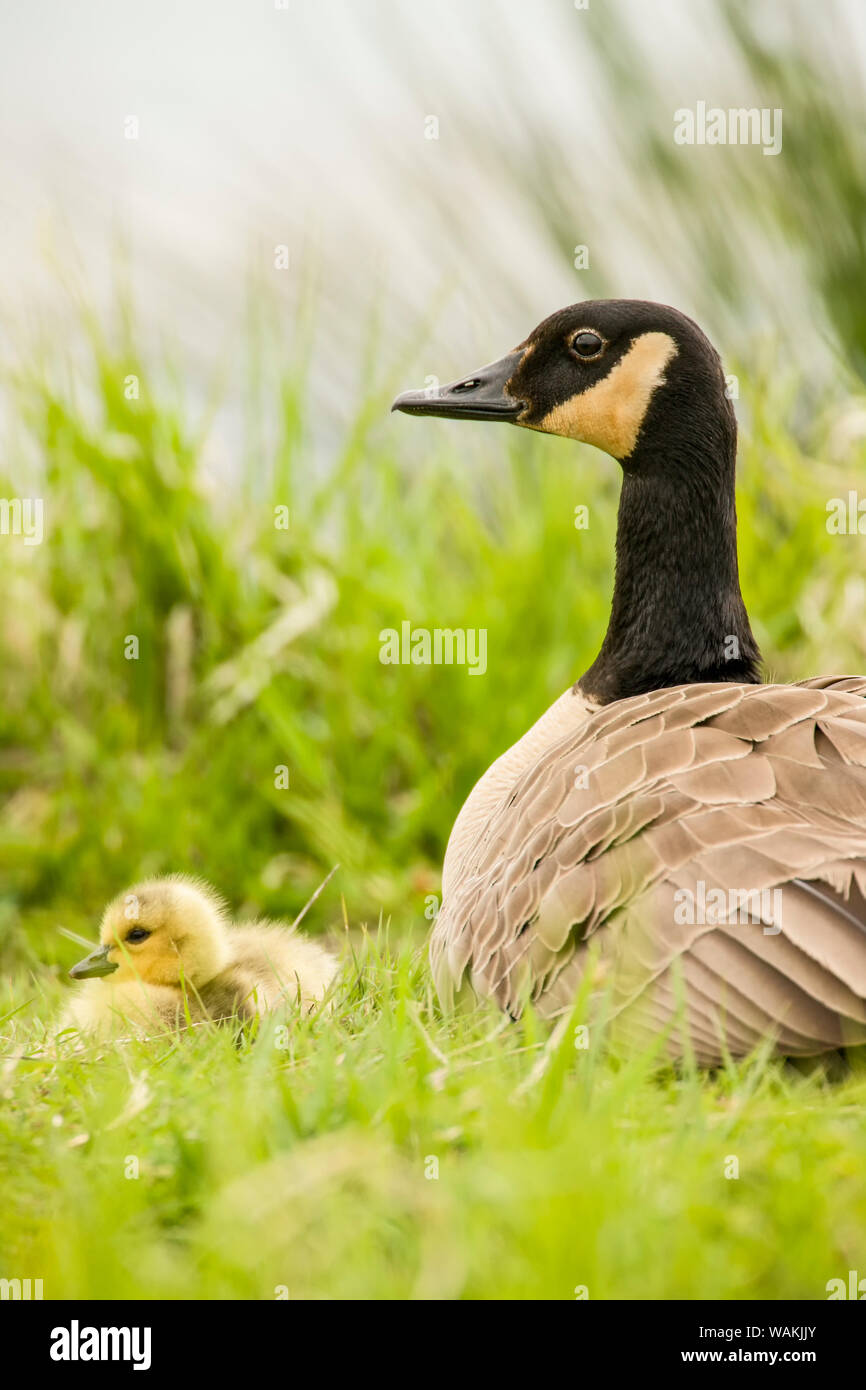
(697, 836)
(169, 951)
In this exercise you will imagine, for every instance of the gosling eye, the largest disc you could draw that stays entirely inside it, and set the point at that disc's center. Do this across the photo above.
(137, 934)
(587, 344)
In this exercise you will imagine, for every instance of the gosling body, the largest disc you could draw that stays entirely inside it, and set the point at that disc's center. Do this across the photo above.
(170, 957)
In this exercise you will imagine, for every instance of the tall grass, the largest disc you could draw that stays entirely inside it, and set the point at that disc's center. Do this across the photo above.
(258, 646)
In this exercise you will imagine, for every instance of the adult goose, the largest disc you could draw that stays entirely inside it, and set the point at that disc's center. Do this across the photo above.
(692, 837)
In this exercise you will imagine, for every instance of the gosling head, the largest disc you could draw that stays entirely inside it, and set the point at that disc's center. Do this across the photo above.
(161, 931)
(609, 372)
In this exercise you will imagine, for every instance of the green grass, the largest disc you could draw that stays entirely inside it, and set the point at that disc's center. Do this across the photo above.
(388, 1154)
(258, 647)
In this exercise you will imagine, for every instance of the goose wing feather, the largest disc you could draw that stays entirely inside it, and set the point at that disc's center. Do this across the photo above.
(577, 860)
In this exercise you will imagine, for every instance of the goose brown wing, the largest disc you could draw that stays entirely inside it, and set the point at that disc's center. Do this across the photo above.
(655, 801)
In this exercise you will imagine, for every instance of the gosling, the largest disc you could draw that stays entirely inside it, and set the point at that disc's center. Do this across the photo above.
(170, 957)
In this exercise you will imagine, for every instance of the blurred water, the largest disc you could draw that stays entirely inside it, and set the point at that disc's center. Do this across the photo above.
(305, 126)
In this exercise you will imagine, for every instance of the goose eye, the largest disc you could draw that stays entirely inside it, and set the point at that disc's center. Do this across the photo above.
(138, 934)
(587, 344)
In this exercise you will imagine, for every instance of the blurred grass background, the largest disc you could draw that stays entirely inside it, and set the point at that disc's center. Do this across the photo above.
(259, 648)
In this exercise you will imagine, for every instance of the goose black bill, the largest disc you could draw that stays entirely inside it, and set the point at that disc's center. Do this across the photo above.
(482, 396)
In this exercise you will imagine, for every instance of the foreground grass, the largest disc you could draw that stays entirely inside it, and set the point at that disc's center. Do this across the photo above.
(384, 1153)
(387, 1154)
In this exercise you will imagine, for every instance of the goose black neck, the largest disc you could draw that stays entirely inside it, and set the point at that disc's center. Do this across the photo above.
(677, 614)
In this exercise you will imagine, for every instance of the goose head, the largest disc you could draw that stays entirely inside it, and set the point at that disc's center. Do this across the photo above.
(161, 931)
(642, 382)
(613, 373)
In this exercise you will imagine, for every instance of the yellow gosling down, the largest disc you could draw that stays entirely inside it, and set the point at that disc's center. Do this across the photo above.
(170, 955)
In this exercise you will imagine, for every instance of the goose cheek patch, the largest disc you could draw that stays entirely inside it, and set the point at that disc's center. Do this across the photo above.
(610, 414)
